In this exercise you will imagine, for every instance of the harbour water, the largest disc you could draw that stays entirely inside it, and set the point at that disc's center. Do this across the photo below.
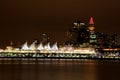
(69, 69)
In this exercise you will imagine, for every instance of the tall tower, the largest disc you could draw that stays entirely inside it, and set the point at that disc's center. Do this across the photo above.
(92, 35)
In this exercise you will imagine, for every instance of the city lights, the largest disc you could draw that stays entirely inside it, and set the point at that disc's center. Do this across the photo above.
(82, 42)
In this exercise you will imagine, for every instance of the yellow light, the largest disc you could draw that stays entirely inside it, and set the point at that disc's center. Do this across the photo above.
(91, 28)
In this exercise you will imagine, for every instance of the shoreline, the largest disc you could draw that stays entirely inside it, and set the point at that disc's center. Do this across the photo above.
(54, 58)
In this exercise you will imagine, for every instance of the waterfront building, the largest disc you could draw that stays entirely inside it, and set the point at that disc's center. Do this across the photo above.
(25, 46)
(47, 46)
(40, 47)
(54, 47)
(33, 46)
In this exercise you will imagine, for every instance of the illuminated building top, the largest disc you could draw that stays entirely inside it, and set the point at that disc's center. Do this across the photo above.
(91, 24)
(91, 21)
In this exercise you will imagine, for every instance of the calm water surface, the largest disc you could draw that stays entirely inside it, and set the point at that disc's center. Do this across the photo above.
(62, 70)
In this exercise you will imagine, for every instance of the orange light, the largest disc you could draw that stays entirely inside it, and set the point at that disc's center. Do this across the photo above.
(91, 28)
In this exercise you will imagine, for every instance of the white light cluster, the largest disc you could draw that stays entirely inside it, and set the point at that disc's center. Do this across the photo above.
(25, 46)
(33, 48)
(40, 47)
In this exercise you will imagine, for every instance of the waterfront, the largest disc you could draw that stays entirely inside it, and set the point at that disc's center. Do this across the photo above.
(77, 69)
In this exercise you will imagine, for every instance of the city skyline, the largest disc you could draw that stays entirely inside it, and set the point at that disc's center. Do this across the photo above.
(28, 20)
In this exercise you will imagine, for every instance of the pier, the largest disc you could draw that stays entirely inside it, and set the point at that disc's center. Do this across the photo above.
(50, 58)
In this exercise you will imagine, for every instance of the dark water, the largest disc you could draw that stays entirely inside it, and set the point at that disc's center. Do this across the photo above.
(62, 70)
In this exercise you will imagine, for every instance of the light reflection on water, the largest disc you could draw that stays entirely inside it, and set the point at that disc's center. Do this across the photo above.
(61, 70)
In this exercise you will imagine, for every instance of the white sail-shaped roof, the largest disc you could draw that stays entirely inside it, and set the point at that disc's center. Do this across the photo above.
(25, 46)
(54, 47)
(32, 46)
(40, 47)
(47, 47)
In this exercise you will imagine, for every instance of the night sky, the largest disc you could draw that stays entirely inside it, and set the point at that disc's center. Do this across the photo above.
(25, 20)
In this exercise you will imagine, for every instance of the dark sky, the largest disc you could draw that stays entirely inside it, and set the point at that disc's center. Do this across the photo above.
(22, 20)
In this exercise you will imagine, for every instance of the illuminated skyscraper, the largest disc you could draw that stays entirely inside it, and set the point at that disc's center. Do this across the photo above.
(92, 35)
(78, 24)
(79, 34)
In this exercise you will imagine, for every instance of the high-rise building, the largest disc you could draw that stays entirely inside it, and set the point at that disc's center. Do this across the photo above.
(81, 34)
(103, 40)
(78, 35)
(78, 24)
(92, 35)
